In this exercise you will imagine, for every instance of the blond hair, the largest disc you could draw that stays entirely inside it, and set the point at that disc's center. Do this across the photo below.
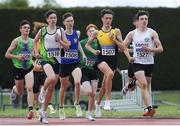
(37, 26)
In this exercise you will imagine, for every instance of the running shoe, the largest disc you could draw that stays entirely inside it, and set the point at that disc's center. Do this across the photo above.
(43, 116)
(51, 108)
(62, 114)
(98, 111)
(41, 96)
(78, 110)
(89, 116)
(30, 114)
(13, 94)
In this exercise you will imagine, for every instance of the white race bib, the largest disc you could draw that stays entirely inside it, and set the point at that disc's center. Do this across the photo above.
(89, 62)
(108, 50)
(140, 53)
(71, 54)
(26, 54)
(54, 52)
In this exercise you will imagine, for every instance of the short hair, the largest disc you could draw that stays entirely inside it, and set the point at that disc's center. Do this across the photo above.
(49, 12)
(106, 11)
(142, 12)
(66, 15)
(90, 26)
(24, 22)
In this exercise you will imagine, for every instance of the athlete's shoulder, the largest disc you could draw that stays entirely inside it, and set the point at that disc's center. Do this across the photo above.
(117, 31)
(152, 31)
(132, 32)
(15, 40)
(30, 38)
(43, 31)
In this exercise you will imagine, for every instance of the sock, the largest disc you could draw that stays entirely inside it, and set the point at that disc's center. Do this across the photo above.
(148, 108)
(30, 108)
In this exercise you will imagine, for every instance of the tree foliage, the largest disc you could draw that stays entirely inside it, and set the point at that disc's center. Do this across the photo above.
(50, 4)
(14, 4)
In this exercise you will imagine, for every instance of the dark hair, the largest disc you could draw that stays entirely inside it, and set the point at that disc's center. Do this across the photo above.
(106, 11)
(135, 18)
(142, 12)
(49, 12)
(66, 15)
(24, 22)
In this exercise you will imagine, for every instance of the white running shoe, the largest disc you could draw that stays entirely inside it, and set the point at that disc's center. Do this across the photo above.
(37, 115)
(62, 114)
(52, 110)
(41, 96)
(43, 116)
(124, 90)
(78, 110)
(98, 111)
(107, 106)
(89, 116)
(13, 94)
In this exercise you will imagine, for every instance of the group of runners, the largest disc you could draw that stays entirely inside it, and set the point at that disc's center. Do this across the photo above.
(57, 53)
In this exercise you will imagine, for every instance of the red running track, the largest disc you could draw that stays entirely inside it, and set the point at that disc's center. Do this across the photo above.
(82, 121)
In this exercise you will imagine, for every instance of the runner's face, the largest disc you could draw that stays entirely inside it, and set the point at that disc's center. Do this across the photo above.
(69, 22)
(25, 29)
(143, 21)
(90, 31)
(52, 19)
(107, 19)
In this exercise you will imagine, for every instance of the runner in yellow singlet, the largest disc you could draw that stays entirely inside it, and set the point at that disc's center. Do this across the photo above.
(109, 40)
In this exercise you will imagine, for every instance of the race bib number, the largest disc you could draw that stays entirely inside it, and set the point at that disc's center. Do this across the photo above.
(54, 52)
(89, 62)
(73, 54)
(26, 54)
(108, 50)
(37, 61)
(140, 53)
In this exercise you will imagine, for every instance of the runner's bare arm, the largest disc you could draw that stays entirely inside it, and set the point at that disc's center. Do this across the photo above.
(158, 46)
(88, 44)
(64, 42)
(10, 49)
(35, 47)
(118, 39)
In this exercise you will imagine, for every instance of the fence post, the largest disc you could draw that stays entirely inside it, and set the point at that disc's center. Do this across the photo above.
(1, 98)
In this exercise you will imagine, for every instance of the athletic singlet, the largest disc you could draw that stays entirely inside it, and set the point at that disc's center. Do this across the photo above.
(143, 39)
(71, 55)
(91, 58)
(25, 49)
(106, 45)
(49, 46)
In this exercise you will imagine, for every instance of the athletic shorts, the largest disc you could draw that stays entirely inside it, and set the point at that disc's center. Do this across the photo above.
(66, 69)
(39, 78)
(112, 62)
(130, 71)
(147, 68)
(88, 75)
(55, 66)
(19, 73)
